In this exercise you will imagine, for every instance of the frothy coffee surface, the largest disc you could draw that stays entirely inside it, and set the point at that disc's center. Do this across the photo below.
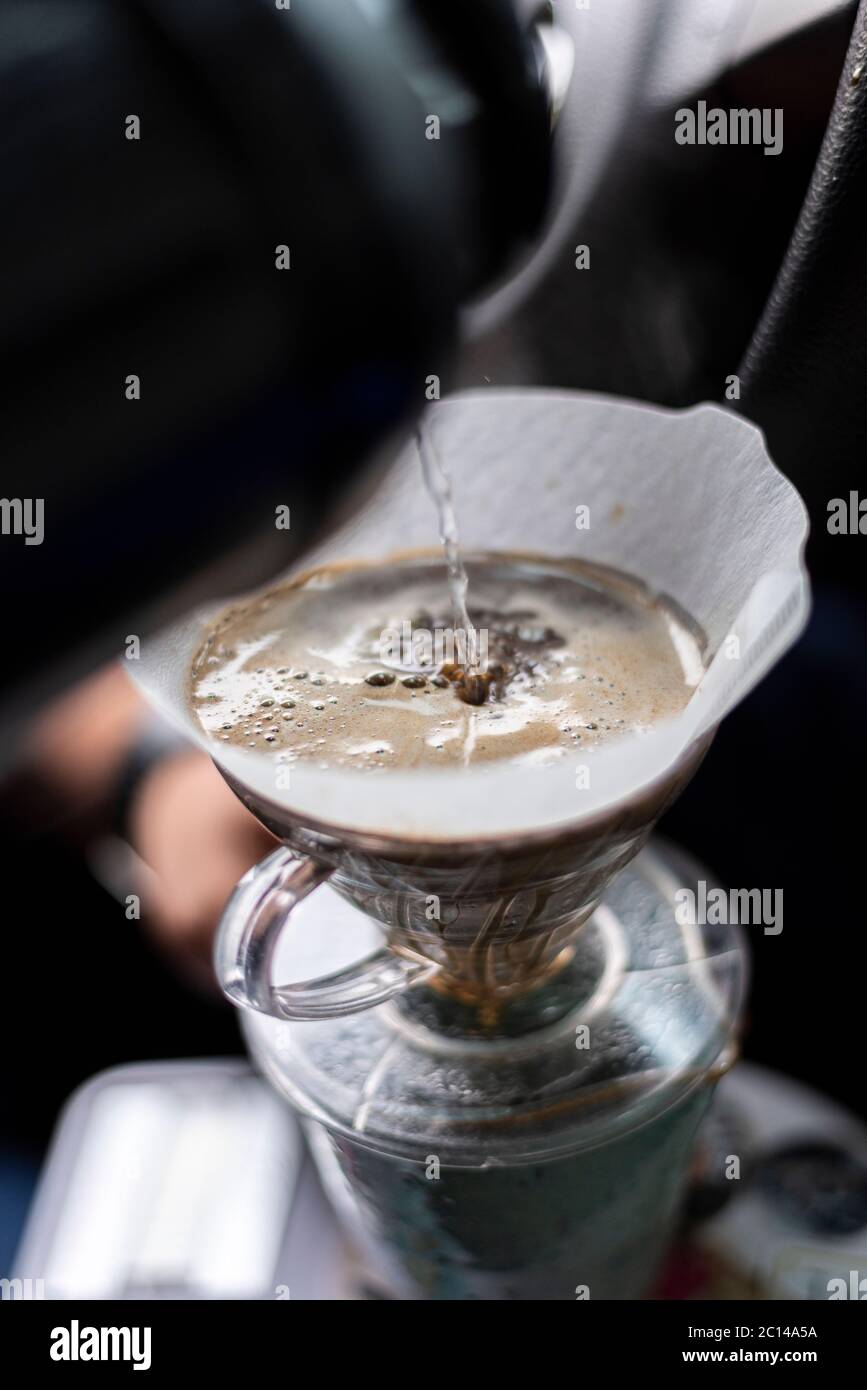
(344, 669)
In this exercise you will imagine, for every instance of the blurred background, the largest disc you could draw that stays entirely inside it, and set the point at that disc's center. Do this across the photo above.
(692, 257)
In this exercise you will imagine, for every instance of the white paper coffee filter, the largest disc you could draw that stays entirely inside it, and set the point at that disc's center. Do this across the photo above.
(687, 501)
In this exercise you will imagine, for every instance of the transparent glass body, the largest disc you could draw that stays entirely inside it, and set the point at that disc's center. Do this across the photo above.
(533, 1149)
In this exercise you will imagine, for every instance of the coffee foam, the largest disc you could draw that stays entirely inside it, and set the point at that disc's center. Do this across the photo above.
(588, 657)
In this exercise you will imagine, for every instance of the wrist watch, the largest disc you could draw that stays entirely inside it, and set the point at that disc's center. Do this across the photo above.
(156, 740)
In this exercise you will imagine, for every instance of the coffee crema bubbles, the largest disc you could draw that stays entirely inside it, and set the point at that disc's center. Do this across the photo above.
(360, 666)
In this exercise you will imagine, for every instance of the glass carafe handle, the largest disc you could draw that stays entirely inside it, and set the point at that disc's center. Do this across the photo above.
(252, 922)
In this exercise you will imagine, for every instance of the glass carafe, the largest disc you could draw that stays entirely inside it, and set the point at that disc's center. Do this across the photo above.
(537, 1149)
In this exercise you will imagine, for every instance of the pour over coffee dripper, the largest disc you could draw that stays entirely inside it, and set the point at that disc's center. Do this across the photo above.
(546, 1033)
(483, 920)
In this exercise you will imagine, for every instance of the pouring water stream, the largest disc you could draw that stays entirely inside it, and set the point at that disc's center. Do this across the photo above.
(438, 484)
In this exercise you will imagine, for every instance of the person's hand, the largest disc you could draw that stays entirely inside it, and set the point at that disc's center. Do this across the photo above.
(197, 840)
